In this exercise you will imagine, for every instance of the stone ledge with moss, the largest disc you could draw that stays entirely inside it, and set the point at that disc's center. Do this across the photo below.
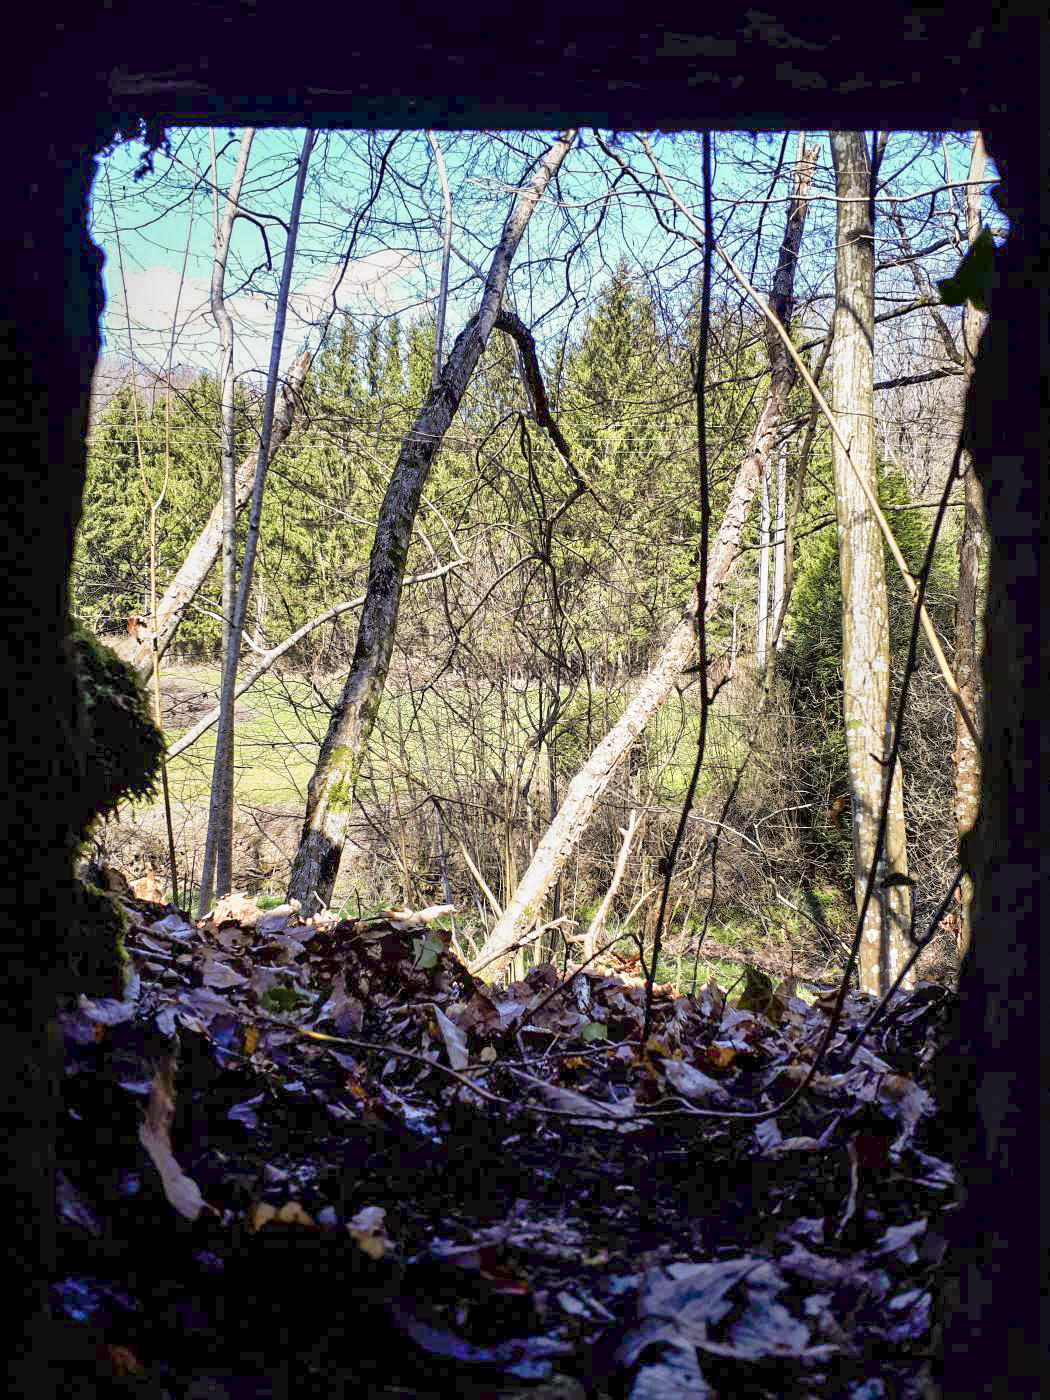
(118, 752)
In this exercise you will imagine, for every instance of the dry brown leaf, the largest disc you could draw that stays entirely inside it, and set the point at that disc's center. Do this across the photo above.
(219, 975)
(261, 1214)
(292, 1213)
(368, 1228)
(276, 920)
(413, 920)
(454, 1039)
(150, 888)
(183, 1193)
(236, 908)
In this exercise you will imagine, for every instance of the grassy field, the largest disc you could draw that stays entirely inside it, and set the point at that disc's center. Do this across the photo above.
(277, 741)
(458, 739)
(285, 719)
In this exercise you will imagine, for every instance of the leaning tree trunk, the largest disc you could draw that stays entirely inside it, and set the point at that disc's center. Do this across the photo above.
(201, 558)
(967, 758)
(583, 793)
(865, 609)
(218, 849)
(334, 781)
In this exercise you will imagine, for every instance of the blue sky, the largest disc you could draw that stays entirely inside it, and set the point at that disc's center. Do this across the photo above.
(158, 223)
(396, 267)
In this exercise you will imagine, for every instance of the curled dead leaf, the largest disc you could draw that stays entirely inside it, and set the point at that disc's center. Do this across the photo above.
(182, 1192)
(368, 1229)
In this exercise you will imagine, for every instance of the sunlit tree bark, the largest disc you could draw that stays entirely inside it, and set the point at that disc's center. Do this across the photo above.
(865, 609)
(218, 851)
(967, 667)
(220, 815)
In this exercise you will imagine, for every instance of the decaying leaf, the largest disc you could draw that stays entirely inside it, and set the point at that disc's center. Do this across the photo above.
(454, 1039)
(182, 1191)
(692, 1084)
(150, 888)
(368, 1229)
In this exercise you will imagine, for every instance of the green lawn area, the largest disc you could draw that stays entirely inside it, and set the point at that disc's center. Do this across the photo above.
(276, 747)
(277, 743)
(451, 738)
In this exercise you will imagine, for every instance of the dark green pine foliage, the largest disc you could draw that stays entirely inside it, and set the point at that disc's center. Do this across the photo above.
(737, 379)
(373, 358)
(621, 392)
(110, 579)
(318, 511)
(419, 361)
(393, 370)
(385, 408)
(321, 503)
(622, 408)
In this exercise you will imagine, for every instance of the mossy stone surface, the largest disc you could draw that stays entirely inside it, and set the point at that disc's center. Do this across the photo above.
(118, 751)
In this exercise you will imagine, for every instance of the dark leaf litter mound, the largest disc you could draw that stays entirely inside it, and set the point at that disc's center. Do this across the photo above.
(303, 1159)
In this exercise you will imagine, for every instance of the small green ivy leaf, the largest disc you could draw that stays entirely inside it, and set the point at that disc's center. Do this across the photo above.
(282, 999)
(594, 1030)
(975, 276)
(427, 951)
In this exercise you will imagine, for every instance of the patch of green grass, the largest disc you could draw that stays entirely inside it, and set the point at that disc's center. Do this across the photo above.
(726, 971)
(471, 729)
(276, 748)
(827, 897)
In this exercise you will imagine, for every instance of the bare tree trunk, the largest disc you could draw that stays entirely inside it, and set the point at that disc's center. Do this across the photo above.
(775, 626)
(201, 558)
(220, 817)
(218, 849)
(583, 793)
(762, 620)
(446, 255)
(865, 610)
(333, 784)
(967, 670)
(779, 527)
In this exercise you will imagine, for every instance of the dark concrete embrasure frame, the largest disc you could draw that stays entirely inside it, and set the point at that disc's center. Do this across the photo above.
(76, 78)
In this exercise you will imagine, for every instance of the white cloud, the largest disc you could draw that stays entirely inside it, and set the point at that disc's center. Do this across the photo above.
(374, 283)
(369, 284)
